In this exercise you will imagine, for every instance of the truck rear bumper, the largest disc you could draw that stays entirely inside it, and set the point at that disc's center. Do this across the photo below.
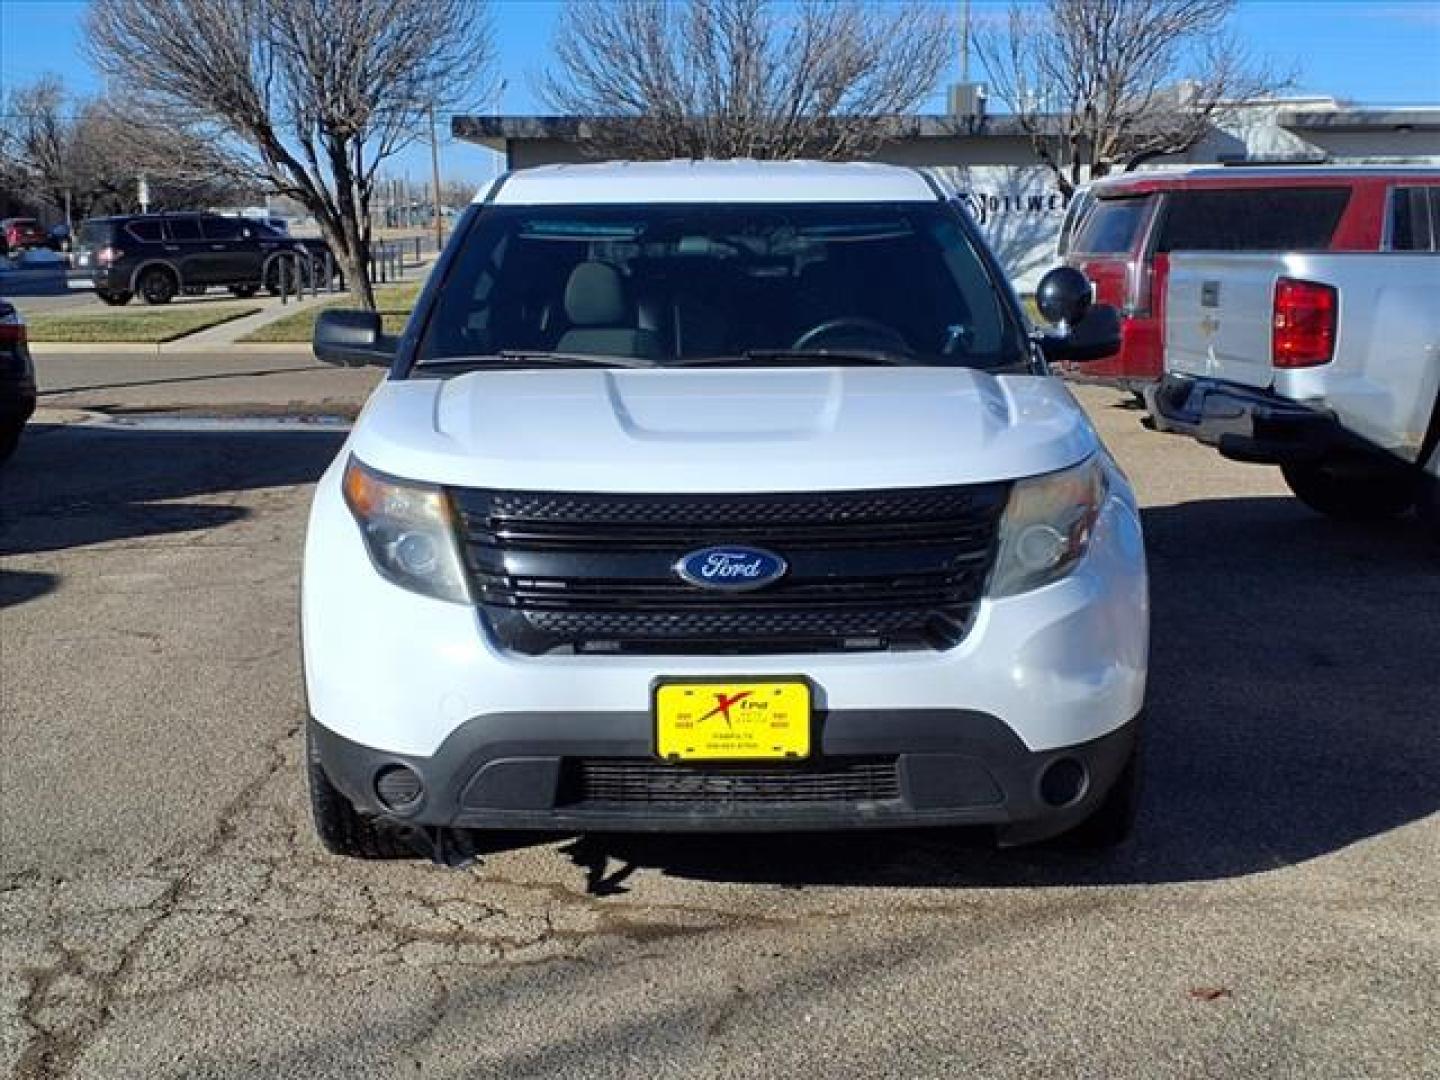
(1246, 423)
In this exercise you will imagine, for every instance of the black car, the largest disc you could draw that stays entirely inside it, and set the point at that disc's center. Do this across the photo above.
(158, 256)
(17, 379)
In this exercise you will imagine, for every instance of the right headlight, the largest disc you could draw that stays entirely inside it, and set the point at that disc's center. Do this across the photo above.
(409, 530)
(1047, 527)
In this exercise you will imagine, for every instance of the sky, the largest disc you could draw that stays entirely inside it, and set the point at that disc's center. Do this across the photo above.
(1378, 52)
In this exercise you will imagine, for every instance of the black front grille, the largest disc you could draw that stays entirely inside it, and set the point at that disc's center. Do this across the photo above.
(636, 781)
(563, 572)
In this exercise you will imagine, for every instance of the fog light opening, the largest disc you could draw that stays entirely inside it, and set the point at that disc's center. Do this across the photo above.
(1063, 782)
(398, 786)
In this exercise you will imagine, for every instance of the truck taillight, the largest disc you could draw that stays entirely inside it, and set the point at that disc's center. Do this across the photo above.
(1138, 279)
(12, 332)
(1303, 329)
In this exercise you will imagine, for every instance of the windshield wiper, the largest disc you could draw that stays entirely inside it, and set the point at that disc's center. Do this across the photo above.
(822, 357)
(513, 359)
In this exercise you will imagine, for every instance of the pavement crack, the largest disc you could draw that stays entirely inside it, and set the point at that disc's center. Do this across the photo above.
(52, 1052)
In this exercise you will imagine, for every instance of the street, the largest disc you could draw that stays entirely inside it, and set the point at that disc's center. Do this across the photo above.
(167, 911)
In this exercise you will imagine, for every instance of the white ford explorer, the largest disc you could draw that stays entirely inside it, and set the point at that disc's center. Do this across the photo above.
(714, 496)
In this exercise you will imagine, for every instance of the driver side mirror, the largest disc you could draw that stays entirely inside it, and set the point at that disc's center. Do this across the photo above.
(1084, 330)
(352, 338)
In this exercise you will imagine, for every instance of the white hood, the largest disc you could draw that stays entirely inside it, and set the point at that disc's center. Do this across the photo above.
(722, 430)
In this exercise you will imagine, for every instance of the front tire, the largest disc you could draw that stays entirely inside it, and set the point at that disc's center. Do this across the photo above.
(342, 829)
(9, 441)
(1352, 493)
(1430, 505)
(158, 285)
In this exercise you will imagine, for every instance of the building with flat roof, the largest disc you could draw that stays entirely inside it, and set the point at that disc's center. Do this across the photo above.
(1013, 196)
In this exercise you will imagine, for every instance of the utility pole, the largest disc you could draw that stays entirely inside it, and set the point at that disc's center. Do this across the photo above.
(435, 178)
(964, 41)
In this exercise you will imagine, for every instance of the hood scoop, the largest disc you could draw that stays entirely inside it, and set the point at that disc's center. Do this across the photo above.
(714, 406)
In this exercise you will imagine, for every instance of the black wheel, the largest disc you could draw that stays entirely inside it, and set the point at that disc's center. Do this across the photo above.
(1349, 492)
(244, 292)
(1112, 822)
(158, 285)
(342, 829)
(114, 299)
(296, 274)
(1430, 505)
(9, 440)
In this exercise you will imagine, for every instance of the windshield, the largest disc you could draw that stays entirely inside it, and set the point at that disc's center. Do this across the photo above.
(674, 284)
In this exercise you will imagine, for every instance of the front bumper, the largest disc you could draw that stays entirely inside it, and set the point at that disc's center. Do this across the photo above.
(1245, 423)
(393, 677)
(528, 771)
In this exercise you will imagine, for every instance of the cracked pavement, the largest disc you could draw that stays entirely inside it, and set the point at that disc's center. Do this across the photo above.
(166, 911)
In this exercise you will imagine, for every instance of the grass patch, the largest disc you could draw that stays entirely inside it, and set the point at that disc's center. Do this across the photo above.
(150, 326)
(393, 301)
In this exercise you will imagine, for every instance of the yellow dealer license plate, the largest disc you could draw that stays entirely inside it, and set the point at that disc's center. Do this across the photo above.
(732, 721)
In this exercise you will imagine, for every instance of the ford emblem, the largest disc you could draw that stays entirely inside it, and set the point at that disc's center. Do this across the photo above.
(732, 568)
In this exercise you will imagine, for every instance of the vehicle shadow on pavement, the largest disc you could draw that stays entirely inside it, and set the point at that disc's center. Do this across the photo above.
(18, 586)
(74, 485)
(1292, 712)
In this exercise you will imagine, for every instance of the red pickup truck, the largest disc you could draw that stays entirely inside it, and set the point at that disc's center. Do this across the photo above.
(1128, 225)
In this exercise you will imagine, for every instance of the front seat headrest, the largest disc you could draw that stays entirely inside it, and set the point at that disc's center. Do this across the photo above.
(595, 296)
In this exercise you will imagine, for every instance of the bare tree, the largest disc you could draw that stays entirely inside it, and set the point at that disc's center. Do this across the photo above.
(1098, 83)
(83, 156)
(744, 78)
(308, 97)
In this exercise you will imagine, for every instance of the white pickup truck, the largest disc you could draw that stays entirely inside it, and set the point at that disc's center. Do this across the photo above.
(1325, 364)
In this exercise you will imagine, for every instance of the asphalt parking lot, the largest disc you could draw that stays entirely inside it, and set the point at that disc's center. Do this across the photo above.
(167, 912)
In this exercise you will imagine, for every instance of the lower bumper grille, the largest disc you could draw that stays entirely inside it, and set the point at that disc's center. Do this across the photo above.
(651, 782)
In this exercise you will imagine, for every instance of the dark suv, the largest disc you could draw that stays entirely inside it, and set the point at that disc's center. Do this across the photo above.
(160, 255)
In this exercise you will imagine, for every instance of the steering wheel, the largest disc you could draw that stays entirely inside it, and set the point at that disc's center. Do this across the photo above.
(853, 330)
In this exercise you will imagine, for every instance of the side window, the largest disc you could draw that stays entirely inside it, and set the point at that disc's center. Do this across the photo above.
(1413, 225)
(221, 228)
(1257, 219)
(148, 232)
(182, 228)
(1111, 226)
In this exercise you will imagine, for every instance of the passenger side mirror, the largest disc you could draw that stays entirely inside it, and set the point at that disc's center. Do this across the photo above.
(1083, 330)
(1063, 296)
(352, 338)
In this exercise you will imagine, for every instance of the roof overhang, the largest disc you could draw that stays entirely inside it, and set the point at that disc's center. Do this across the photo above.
(1417, 118)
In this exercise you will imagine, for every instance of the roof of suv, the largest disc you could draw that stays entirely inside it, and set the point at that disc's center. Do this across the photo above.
(709, 181)
(1251, 176)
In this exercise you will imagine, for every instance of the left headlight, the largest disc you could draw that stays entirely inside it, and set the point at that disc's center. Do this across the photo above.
(1047, 527)
(409, 530)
